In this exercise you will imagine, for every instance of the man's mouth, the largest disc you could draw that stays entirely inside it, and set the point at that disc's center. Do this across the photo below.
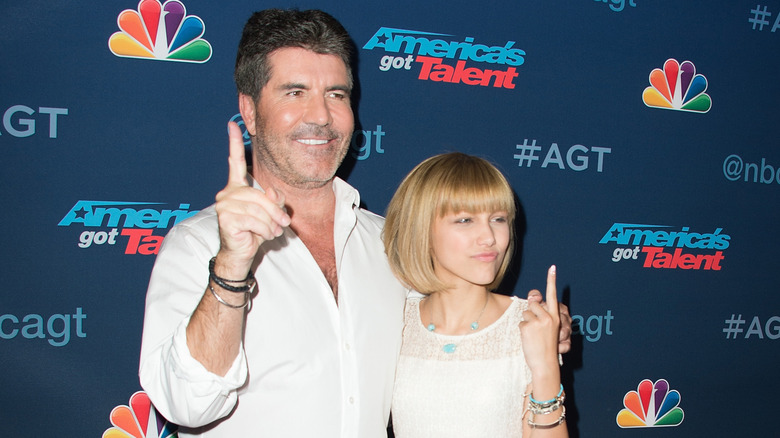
(312, 141)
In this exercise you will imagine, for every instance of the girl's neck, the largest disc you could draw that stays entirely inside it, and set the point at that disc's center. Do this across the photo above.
(455, 313)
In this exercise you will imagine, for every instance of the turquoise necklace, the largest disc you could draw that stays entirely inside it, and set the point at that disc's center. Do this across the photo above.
(452, 346)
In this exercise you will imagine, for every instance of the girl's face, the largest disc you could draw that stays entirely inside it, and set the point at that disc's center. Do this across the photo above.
(468, 248)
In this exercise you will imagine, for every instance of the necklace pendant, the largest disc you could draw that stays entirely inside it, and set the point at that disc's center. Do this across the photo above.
(431, 327)
(474, 325)
(449, 348)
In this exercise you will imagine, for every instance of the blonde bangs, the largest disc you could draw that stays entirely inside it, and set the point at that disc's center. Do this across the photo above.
(473, 186)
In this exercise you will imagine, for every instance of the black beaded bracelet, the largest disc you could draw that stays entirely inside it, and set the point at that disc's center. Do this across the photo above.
(223, 282)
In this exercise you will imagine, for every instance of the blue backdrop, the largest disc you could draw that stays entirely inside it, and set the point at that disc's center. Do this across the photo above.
(640, 137)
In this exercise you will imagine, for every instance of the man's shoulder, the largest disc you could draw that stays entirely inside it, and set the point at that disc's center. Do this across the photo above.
(201, 226)
(370, 219)
(205, 219)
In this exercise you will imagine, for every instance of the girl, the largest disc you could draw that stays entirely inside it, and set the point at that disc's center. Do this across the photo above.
(473, 363)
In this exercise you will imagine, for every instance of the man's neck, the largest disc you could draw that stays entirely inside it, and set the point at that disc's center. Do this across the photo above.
(312, 211)
(307, 206)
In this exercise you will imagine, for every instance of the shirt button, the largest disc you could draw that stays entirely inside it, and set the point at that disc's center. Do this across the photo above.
(352, 400)
(347, 346)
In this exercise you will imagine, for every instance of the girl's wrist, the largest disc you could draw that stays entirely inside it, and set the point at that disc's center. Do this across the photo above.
(546, 386)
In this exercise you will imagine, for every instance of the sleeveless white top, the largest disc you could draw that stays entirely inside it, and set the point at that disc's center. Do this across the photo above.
(475, 391)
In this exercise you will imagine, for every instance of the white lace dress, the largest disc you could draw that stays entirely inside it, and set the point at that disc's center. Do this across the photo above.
(476, 391)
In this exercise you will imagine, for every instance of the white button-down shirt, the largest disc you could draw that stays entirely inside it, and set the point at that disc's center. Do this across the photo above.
(307, 367)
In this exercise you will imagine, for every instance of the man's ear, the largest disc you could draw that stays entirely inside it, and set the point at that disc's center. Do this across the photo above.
(247, 108)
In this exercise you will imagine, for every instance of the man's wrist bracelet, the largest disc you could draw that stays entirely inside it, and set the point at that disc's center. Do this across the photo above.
(247, 302)
(247, 287)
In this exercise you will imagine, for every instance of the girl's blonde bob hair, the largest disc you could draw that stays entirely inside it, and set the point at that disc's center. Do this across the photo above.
(441, 185)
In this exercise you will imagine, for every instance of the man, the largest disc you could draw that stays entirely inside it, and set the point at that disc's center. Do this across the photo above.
(310, 349)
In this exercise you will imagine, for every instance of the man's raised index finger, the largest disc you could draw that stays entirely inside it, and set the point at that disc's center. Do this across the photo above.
(236, 159)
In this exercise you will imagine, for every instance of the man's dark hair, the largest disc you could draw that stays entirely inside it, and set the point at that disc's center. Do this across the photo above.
(273, 29)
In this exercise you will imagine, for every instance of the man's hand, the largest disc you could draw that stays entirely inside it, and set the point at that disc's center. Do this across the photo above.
(247, 216)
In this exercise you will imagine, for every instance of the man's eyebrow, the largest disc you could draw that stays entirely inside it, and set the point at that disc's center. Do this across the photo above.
(292, 86)
(345, 88)
(296, 85)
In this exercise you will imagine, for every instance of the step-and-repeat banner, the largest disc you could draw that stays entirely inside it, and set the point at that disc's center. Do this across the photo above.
(641, 138)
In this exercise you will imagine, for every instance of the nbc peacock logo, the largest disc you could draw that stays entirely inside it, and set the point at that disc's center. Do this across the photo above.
(677, 87)
(651, 405)
(161, 32)
(139, 420)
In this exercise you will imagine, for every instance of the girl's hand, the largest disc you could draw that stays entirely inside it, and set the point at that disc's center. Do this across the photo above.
(539, 330)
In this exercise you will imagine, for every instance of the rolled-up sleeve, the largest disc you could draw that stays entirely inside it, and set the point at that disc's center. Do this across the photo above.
(179, 386)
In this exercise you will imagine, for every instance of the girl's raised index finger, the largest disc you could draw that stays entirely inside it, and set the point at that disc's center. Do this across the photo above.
(552, 291)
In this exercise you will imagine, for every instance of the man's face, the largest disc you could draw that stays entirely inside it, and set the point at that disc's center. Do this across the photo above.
(303, 121)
